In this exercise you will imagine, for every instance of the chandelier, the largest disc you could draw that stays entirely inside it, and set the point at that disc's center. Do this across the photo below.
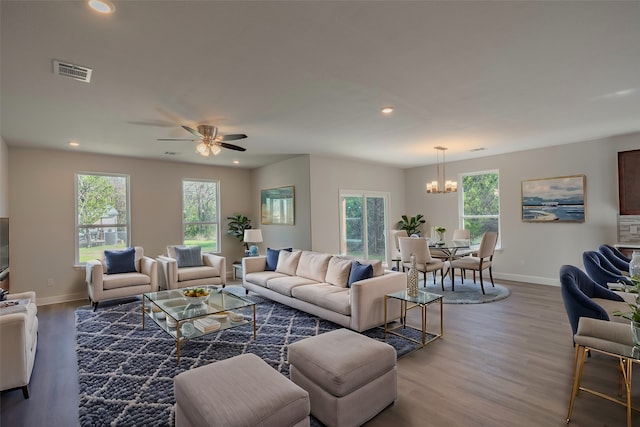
(440, 185)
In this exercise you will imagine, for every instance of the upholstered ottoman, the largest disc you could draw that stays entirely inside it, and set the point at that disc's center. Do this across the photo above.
(350, 377)
(240, 391)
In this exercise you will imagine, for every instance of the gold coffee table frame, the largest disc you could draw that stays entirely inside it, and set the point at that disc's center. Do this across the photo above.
(174, 305)
(422, 300)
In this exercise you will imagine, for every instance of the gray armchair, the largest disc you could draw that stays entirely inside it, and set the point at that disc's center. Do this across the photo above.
(207, 269)
(103, 285)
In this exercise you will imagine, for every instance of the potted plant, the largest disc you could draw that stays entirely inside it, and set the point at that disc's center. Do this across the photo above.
(634, 314)
(411, 224)
(237, 224)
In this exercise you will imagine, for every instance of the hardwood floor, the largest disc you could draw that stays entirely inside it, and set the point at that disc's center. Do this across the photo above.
(507, 363)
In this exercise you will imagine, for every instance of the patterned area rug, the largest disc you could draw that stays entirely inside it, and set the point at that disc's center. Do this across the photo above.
(126, 373)
(467, 293)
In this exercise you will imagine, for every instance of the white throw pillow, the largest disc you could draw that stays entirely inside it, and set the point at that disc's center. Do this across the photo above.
(338, 272)
(288, 262)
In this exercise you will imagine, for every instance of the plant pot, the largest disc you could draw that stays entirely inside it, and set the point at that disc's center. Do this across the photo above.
(635, 333)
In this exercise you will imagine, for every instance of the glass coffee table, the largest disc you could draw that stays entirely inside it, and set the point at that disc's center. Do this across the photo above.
(181, 319)
(407, 302)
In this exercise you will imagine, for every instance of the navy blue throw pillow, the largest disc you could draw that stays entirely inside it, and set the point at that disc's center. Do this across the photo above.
(359, 272)
(123, 261)
(272, 258)
(188, 256)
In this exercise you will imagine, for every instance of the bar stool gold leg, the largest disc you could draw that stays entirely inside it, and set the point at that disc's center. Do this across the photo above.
(578, 364)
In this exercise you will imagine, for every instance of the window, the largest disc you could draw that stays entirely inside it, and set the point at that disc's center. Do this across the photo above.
(480, 204)
(200, 219)
(102, 214)
(363, 219)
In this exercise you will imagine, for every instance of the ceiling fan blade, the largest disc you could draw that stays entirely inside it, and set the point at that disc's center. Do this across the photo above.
(231, 146)
(176, 139)
(233, 137)
(193, 131)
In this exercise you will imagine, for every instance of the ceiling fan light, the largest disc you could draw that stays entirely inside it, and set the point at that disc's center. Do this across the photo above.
(215, 150)
(203, 149)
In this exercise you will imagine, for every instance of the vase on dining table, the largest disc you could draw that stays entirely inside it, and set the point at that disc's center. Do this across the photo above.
(440, 236)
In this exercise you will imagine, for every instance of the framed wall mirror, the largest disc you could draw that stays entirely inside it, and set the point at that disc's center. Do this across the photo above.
(277, 206)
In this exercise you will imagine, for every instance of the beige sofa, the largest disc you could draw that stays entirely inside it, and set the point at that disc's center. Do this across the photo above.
(19, 333)
(316, 283)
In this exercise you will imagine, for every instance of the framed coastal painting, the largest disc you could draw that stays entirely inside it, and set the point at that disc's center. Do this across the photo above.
(560, 199)
(277, 206)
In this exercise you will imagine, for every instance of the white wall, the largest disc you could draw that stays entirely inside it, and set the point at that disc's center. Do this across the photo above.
(42, 212)
(294, 172)
(4, 179)
(329, 176)
(534, 252)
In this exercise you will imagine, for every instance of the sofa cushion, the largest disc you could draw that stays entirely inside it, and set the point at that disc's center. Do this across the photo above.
(288, 262)
(338, 272)
(124, 280)
(313, 265)
(284, 285)
(120, 261)
(188, 256)
(272, 258)
(260, 278)
(378, 268)
(324, 295)
(359, 272)
(194, 273)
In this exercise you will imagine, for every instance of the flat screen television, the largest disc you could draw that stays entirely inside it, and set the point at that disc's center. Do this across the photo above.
(4, 244)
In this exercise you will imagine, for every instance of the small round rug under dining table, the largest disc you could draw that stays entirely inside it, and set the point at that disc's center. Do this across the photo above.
(467, 293)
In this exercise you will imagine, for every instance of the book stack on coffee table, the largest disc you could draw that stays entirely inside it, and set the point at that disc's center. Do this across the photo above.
(206, 324)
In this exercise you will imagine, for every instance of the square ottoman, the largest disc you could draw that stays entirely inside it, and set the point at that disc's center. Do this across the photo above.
(241, 391)
(350, 377)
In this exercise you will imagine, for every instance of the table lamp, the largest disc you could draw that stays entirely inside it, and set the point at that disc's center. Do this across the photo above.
(253, 236)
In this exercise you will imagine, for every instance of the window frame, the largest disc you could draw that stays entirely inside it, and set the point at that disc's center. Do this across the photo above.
(386, 197)
(217, 216)
(461, 214)
(77, 224)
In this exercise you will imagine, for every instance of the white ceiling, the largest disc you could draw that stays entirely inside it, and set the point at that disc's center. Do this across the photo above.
(311, 76)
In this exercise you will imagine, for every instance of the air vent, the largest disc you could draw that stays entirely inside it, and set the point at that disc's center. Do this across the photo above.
(75, 72)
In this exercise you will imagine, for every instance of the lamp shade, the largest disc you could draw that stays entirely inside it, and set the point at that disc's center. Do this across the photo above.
(253, 236)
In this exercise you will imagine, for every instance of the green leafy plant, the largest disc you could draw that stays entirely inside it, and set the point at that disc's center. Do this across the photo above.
(237, 224)
(440, 229)
(411, 225)
(634, 314)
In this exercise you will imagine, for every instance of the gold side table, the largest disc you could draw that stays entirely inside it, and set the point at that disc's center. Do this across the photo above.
(422, 300)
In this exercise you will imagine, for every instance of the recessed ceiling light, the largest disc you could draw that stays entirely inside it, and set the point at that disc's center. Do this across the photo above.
(102, 6)
(73, 143)
(236, 162)
(387, 110)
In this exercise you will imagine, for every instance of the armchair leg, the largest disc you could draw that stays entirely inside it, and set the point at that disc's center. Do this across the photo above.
(481, 284)
(95, 305)
(25, 391)
(491, 276)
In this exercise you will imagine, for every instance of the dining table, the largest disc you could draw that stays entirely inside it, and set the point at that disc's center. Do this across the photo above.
(449, 251)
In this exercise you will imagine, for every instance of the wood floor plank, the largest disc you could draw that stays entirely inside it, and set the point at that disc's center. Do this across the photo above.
(506, 363)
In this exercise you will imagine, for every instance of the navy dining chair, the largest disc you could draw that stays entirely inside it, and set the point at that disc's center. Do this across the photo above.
(601, 271)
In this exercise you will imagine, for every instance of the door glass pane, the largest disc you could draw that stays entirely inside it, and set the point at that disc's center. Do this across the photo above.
(354, 226)
(376, 242)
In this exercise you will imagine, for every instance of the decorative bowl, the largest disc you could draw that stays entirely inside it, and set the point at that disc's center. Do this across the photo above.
(196, 295)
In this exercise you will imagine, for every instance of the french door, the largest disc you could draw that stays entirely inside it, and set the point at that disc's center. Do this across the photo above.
(363, 219)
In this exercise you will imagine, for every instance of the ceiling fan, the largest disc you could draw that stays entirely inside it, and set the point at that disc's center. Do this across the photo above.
(210, 141)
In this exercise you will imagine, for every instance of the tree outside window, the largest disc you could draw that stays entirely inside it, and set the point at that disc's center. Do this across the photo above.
(480, 203)
(102, 214)
(200, 204)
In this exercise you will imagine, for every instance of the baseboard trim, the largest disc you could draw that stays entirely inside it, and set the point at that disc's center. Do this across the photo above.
(527, 279)
(62, 298)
